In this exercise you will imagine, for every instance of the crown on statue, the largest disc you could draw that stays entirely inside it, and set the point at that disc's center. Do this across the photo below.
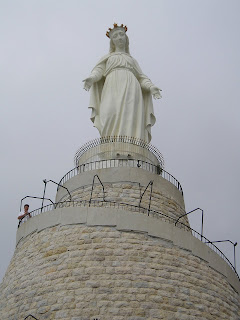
(115, 26)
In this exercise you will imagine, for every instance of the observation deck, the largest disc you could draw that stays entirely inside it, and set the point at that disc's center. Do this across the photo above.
(121, 182)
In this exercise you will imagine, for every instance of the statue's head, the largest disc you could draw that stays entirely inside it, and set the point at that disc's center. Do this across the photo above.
(118, 38)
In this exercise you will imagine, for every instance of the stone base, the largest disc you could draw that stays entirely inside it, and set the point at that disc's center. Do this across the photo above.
(118, 148)
(86, 271)
(126, 185)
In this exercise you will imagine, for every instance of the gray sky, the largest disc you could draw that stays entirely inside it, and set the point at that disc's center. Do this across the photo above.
(188, 48)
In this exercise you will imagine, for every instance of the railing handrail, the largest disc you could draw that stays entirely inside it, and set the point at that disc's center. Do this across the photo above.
(139, 209)
(139, 164)
(125, 139)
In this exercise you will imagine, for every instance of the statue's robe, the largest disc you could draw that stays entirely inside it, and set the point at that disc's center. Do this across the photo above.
(120, 98)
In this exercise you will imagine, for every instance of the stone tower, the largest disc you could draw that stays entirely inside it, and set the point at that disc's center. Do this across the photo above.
(110, 247)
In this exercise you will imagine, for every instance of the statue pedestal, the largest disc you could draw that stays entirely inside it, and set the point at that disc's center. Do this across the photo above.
(123, 171)
(111, 238)
(118, 148)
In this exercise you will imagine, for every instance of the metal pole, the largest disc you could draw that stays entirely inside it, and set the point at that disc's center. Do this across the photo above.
(141, 196)
(202, 225)
(93, 186)
(191, 212)
(234, 250)
(45, 185)
(150, 198)
(59, 185)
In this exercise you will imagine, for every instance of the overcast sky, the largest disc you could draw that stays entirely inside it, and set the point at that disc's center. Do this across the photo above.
(188, 48)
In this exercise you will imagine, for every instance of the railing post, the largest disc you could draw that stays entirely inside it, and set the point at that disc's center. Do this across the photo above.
(45, 185)
(191, 212)
(234, 249)
(93, 186)
(150, 197)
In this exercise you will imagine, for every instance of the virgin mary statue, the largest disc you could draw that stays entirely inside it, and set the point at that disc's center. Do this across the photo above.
(121, 95)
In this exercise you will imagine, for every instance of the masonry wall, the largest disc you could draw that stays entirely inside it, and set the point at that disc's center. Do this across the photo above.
(81, 272)
(129, 193)
(126, 185)
(79, 262)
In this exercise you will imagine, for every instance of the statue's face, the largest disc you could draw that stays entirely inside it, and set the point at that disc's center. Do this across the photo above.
(119, 39)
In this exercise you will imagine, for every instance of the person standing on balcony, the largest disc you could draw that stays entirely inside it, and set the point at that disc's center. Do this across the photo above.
(25, 213)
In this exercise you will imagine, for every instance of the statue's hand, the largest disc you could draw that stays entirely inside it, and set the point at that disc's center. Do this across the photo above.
(155, 91)
(88, 82)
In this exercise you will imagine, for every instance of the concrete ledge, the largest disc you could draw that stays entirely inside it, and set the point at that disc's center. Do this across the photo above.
(125, 174)
(132, 222)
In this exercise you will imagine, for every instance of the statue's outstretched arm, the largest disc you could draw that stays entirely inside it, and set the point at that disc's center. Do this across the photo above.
(88, 82)
(156, 92)
(146, 83)
(95, 76)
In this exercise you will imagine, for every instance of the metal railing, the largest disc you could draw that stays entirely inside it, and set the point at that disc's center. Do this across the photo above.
(96, 176)
(123, 139)
(150, 197)
(185, 214)
(133, 208)
(113, 163)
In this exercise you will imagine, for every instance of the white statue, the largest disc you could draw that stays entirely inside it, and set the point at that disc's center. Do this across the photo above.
(121, 95)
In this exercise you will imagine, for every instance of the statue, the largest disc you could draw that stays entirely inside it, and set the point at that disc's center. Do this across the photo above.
(121, 95)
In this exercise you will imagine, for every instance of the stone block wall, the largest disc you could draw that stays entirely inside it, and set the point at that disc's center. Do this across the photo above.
(130, 193)
(77, 272)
